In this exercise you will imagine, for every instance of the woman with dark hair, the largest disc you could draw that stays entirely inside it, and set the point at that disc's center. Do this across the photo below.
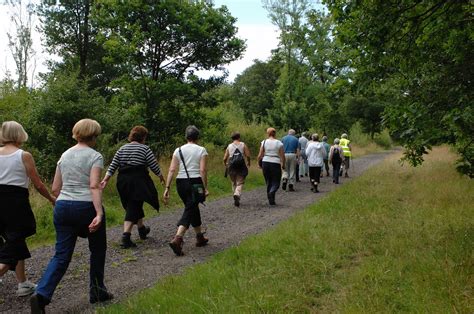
(190, 162)
(78, 213)
(272, 158)
(237, 162)
(17, 222)
(134, 184)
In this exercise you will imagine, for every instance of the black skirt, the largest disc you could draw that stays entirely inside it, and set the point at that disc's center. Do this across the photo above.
(134, 184)
(17, 222)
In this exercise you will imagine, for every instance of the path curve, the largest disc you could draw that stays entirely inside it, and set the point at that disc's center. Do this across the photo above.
(128, 271)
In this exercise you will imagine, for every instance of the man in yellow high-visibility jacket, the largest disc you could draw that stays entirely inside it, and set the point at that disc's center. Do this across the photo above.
(346, 148)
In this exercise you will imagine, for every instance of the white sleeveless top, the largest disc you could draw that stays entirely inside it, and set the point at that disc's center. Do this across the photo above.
(232, 147)
(12, 170)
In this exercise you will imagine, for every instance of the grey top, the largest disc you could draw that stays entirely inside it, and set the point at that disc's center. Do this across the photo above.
(75, 165)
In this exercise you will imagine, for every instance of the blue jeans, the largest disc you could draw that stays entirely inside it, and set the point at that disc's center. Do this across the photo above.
(71, 219)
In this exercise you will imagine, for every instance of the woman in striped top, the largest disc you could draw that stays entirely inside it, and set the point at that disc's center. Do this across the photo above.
(134, 184)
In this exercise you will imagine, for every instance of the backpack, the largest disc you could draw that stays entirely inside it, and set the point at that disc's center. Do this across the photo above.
(236, 161)
(336, 155)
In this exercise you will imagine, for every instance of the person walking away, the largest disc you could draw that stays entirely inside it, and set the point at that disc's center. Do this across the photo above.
(346, 147)
(303, 160)
(326, 161)
(134, 184)
(336, 158)
(316, 153)
(190, 161)
(271, 159)
(17, 222)
(237, 162)
(292, 152)
(78, 213)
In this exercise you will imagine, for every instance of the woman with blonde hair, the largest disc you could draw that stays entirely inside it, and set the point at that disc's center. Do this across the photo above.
(78, 213)
(271, 159)
(17, 222)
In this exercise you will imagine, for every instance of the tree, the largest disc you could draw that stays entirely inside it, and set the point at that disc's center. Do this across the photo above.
(254, 89)
(21, 42)
(422, 53)
(158, 46)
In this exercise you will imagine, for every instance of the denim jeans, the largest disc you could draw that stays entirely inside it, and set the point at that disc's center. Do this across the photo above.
(71, 219)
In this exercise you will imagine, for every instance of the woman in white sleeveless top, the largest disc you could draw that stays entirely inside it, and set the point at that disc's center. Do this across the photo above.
(237, 170)
(17, 222)
(272, 157)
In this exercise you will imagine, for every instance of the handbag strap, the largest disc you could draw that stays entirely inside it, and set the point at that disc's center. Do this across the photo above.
(184, 164)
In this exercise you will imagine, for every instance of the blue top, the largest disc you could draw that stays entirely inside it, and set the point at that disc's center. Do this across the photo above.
(327, 147)
(290, 144)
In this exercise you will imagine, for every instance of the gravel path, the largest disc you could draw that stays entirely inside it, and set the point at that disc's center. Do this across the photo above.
(128, 271)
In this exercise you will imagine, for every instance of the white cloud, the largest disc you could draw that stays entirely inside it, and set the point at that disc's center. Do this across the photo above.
(260, 41)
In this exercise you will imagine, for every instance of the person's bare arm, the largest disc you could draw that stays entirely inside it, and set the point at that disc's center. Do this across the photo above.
(260, 154)
(247, 154)
(32, 173)
(203, 172)
(57, 182)
(226, 156)
(96, 190)
(282, 157)
(173, 167)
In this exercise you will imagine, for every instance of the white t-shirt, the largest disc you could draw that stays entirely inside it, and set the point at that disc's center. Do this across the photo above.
(12, 170)
(272, 150)
(75, 165)
(316, 153)
(192, 154)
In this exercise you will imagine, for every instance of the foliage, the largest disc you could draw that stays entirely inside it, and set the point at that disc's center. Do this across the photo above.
(254, 89)
(421, 52)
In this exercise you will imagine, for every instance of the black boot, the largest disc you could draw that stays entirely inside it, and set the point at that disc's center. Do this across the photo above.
(143, 231)
(271, 198)
(38, 303)
(126, 241)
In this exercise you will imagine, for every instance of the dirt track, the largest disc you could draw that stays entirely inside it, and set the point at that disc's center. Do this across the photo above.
(128, 271)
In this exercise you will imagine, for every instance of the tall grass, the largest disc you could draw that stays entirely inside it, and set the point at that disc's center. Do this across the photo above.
(396, 239)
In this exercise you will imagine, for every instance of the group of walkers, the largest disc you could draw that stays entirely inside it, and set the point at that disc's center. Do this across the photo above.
(77, 193)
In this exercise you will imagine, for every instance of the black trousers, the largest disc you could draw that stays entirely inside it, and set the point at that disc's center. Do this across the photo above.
(191, 214)
(336, 167)
(272, 175)
(314, 174)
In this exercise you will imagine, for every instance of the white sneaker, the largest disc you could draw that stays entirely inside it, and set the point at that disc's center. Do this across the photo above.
(25, 288)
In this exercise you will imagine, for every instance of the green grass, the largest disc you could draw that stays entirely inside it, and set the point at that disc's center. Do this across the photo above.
(396, 239)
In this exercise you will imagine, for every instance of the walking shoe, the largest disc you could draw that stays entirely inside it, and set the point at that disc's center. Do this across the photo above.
(236, 200)
(346, 175)
(327, 174)
(201, 240)
(101, 296)
(25, 288)
(283, 186)
(177, 245)
(126, 241)
(290, 188)
(37, 304)
(143, 231)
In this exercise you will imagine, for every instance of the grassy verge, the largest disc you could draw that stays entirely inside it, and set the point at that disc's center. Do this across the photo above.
(395, 239)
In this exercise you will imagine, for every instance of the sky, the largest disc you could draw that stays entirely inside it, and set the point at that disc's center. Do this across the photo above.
(253, 25)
